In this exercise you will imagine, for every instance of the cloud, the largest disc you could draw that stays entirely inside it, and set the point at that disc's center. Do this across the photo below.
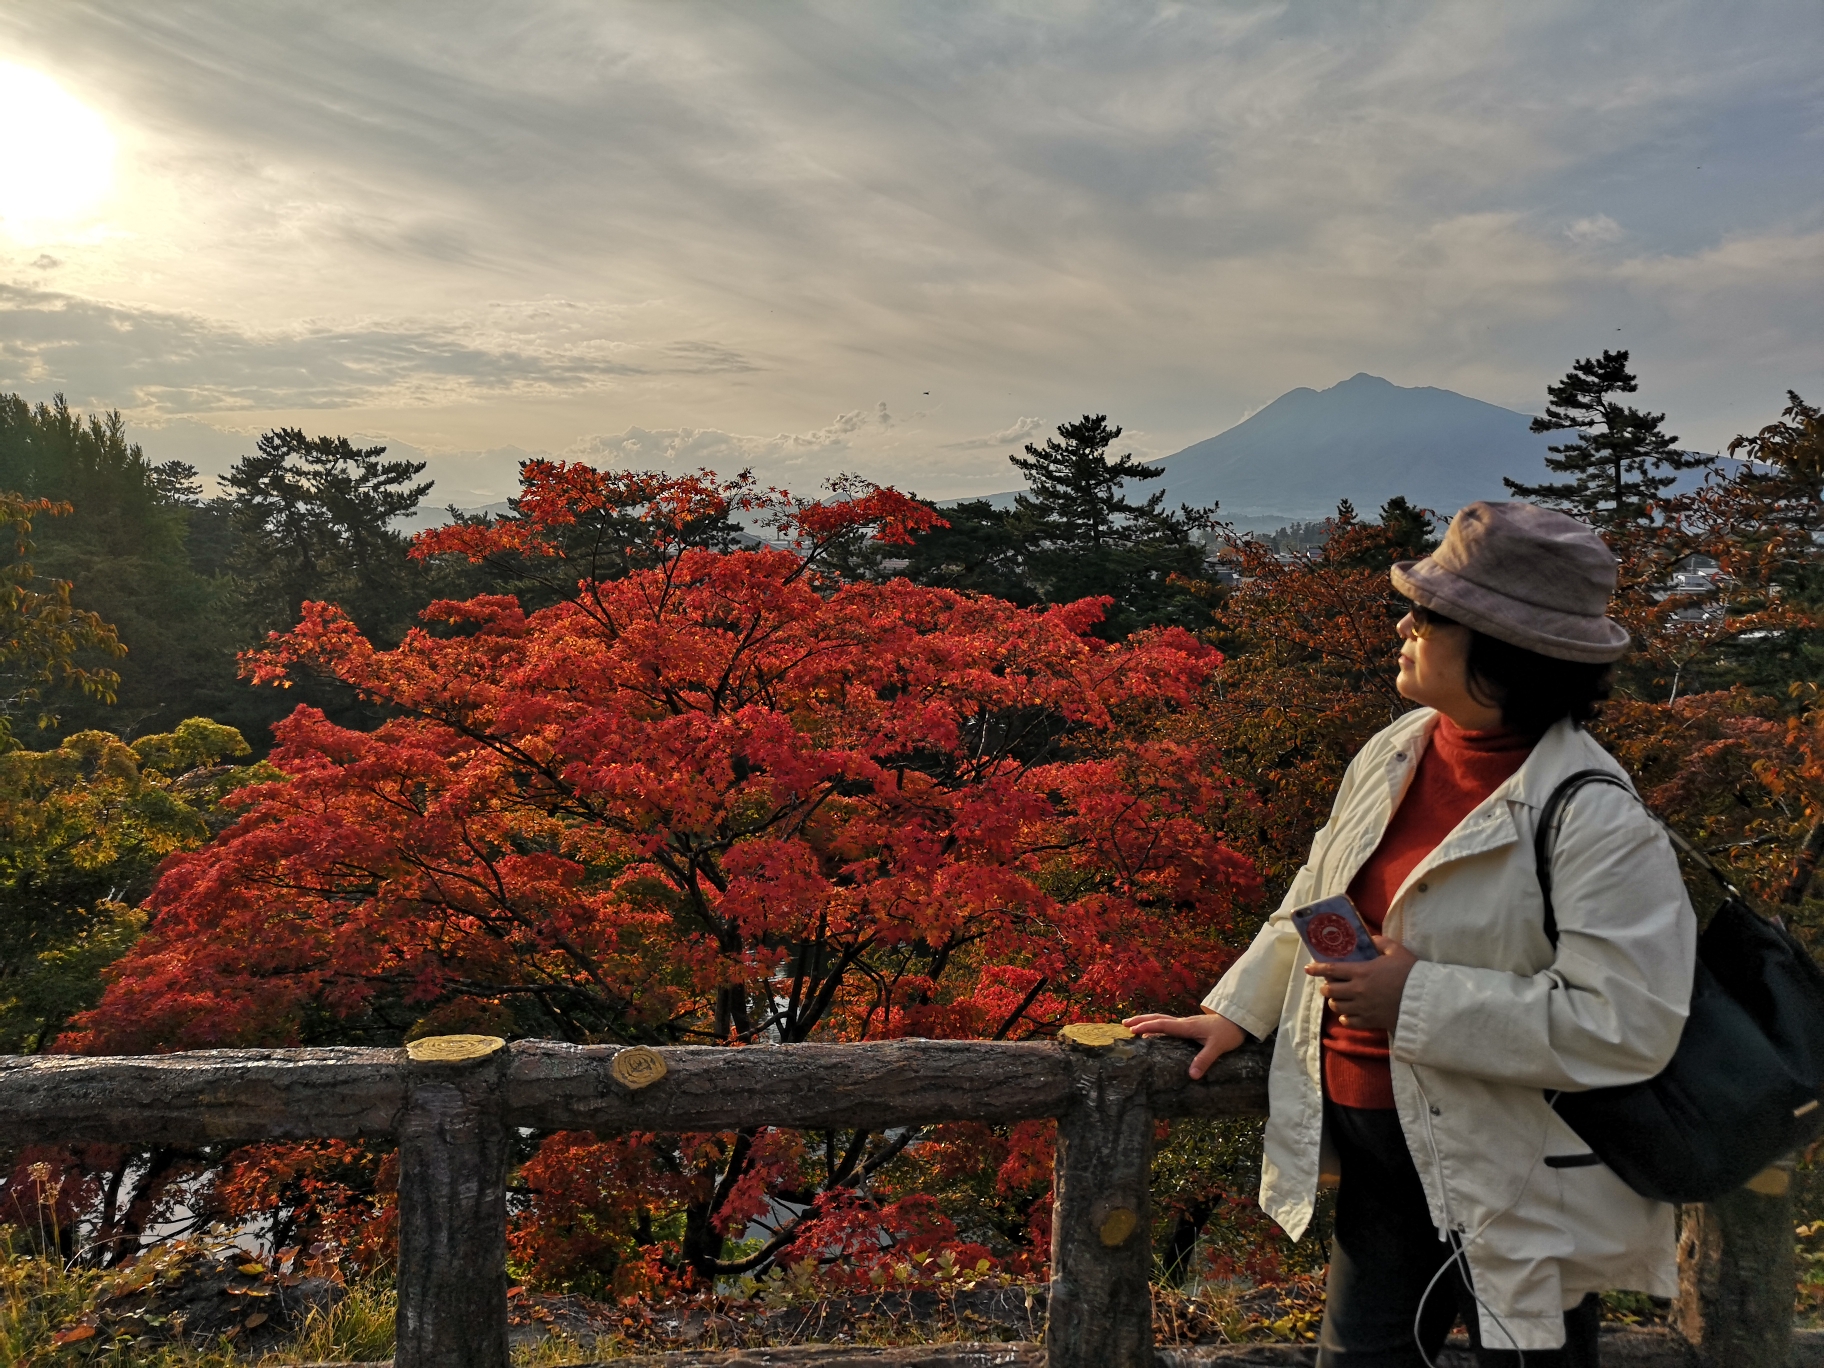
(1597, 228)
(781, 455)
(160, 361)
(734, 219)
(1018, 433)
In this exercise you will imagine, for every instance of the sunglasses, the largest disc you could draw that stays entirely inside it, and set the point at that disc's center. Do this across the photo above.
(1424, 620)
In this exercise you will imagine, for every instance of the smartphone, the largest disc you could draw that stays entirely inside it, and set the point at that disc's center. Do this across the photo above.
(1333, 931)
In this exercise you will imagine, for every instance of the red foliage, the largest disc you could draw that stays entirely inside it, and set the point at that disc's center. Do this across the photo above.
(858, 1242)
(722, 798)
(587, 1220)
(319, 1190)
(1309, 676)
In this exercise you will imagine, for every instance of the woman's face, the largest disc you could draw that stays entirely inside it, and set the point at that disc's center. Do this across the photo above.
(1434, 673)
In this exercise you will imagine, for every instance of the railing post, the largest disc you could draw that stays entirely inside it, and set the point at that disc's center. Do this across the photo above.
(453, 1206)
(1101, 1309)
(1736, 1275)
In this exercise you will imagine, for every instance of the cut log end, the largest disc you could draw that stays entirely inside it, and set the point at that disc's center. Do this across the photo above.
(453, 1049)
(1117, 1226)
(1095, 1035)
(637, 1067)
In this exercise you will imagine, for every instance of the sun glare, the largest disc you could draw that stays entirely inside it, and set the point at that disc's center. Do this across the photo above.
(56, 154)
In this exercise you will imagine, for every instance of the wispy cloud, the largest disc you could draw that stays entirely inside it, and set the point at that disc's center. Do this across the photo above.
(1008, 436)
(782, 455)
(1596, 228)
(162, 361)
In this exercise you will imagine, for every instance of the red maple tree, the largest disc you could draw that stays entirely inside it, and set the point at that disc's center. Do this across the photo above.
(722, 797)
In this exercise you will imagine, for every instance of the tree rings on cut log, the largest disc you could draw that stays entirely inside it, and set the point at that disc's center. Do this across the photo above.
(1095, 1035)
(637, 1067)
(452, 1049)
(1117, 1226)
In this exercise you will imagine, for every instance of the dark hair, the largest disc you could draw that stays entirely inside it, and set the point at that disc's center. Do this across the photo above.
(1532, 690)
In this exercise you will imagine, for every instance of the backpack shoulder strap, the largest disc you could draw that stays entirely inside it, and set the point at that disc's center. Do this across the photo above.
(1548, 819)
(1554, 808)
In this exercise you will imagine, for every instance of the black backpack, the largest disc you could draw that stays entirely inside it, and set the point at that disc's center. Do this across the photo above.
(1743, 1087)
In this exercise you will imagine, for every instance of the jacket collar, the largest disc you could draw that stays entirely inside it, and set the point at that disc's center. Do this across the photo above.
(1563, 749)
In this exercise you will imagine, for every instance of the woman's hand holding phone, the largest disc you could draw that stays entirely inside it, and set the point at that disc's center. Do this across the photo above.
(1214, 1034)
(1367, 994)
(1364, 974)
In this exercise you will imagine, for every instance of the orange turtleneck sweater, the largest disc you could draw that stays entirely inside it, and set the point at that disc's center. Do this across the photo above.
(1458, 770)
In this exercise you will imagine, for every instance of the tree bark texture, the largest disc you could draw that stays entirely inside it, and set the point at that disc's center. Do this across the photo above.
(452, 1279)
(1735, 1280)
(866, 1087)
(349, 1093)
(201, 1096)
(1101, 1310)
(872, 1086)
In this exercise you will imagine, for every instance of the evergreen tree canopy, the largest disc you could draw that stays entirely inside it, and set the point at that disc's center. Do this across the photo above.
(1404, 533)
(122, 545)
(313, 517)
(1082, 537)
(981, 550)
(1621, 459)
(42, 636)
(1075, 494)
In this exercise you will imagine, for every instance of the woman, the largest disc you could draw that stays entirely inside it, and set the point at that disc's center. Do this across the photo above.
(1421, 1078)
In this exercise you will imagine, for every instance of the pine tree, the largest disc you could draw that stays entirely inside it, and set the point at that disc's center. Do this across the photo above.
(314, 520)
(1409, 529)
(1075, 493)
(1081, 537)
(1621, 459)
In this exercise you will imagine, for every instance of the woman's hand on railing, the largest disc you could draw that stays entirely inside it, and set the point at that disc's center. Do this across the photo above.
(1214, 1034)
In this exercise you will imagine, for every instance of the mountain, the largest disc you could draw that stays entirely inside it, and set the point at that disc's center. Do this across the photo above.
(1364, 440)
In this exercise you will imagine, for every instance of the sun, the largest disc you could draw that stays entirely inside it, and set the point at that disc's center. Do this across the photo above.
(56, 154)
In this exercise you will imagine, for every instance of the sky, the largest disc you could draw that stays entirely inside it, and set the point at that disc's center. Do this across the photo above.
(893, 239)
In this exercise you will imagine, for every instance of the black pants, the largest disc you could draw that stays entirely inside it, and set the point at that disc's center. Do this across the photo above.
(1385, 1255)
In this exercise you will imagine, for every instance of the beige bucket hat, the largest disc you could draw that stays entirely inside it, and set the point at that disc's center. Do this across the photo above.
(1526, 575)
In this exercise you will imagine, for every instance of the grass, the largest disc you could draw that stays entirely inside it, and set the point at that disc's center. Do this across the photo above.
(48, 1319)
(48, 1316)
(46, 1304)
(357, 1329)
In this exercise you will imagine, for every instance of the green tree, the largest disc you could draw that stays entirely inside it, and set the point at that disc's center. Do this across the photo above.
(122, 543)
(1081, 536)
(313, 520)
(42, 636)
(1621, 459)
(980, 550)
(1405, 533)
(83, 828)
(1075, 491)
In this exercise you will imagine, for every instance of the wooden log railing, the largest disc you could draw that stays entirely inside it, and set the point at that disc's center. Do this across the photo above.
(452, 1102)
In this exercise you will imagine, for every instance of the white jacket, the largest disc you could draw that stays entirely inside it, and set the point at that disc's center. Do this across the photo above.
(1491, 1017)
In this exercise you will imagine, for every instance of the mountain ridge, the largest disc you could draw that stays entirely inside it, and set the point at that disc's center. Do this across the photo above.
(1364, 439)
